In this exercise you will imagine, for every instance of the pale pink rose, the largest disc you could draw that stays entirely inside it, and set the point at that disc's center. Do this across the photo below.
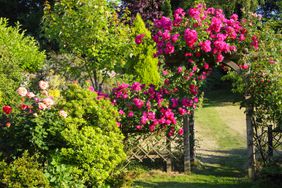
(63, 113)
(48, 101)
(22, 91)
(30, 95)
(43, 85)
(42, 106)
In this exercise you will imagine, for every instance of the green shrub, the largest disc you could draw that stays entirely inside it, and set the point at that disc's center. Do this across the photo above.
(24, 171)
(93, 141)
(79, 150)
(19, 54)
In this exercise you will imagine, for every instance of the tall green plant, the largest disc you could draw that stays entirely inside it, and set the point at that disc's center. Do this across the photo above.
(142, 64)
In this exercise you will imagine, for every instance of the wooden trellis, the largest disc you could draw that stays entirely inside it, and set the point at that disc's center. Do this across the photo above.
(153, 146)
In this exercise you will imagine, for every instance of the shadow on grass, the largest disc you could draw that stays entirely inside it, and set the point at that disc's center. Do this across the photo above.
(220, 97)
(175, 184)
(226, 163)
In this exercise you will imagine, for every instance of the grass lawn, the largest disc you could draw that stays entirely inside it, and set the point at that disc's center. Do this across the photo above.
(164, 180)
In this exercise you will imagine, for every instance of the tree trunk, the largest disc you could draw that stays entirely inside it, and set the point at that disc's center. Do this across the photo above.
(270, 142)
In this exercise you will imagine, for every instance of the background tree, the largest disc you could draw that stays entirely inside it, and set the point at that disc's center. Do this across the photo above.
(27, 12)
(90, 30)
(148, 9)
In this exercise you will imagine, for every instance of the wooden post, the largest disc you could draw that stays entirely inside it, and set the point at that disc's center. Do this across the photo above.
(270, 142)
(168, 160)
(192, 137)
(250, 143)
(187, 159)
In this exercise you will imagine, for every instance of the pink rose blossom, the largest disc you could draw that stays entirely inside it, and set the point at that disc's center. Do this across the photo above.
(169, 48)
(139, 38)
(121, 112)
(190, 37)
(138, 103)
(206, 46)
(180, 132)
(174, 38)
(179, 69)
(219, 58)
(130, 114)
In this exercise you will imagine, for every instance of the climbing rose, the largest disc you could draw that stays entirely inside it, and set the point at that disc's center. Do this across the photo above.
(138, 38)
(138, 102)
(190, 37)
(206, 46)
(255, 42)
(22, 91)
(7, 109)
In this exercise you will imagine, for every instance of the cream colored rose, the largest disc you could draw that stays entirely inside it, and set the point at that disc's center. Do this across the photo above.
(63, 113)
(22, 91)
(43, 85)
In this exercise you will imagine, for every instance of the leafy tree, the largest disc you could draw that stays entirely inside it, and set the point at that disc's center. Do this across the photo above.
(91, 30)
(19, 55)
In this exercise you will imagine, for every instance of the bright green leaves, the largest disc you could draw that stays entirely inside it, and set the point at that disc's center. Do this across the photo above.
(142, 63)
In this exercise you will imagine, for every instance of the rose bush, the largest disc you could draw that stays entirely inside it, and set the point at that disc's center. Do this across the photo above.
(75, 136)
(189, 46)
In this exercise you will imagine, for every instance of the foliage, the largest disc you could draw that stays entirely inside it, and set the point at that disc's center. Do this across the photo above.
(27, 12)
(92, 31)
(19, 54)
(76, 135)
(25, 171)
(263, 81)
(149, 9)
(142, 64)
(167, 9)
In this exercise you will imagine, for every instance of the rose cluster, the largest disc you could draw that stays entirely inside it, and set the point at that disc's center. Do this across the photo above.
(205, 30)
(32, 103)
(149, 109)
